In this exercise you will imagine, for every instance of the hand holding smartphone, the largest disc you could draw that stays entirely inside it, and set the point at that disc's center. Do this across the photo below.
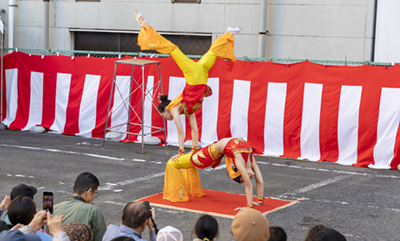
(48, 201)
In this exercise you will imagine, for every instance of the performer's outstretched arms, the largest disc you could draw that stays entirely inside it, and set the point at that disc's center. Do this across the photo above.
(259, 183)
(181, 133)
(240, 165)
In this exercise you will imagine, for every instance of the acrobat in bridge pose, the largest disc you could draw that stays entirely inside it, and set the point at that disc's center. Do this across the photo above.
(178, 186)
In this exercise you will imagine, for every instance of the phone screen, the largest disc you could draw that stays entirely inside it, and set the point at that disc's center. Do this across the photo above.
(48, 201)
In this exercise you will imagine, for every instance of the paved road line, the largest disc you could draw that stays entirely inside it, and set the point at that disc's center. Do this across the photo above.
(316, 185)
(157, 209)
(61, 151)
(110, 186)
(327, 170)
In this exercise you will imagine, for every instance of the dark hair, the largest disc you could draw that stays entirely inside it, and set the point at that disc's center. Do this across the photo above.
(122, 238)
(21, 210)
(321, 233)
(84, 182)
(277, 234)
(3, 226)
(206, 227)
(164, 103)
(135, 214)
(236, 179)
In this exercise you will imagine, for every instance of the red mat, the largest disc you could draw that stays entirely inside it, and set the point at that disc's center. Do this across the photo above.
(217, 203)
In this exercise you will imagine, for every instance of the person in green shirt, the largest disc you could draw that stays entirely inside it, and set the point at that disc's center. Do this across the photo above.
(79, 207)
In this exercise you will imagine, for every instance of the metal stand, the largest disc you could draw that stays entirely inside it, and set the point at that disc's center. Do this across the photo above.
(145, 92)
(2, 77)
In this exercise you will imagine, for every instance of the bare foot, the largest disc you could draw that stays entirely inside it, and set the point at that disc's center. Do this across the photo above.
(139, 17)
(234, 31)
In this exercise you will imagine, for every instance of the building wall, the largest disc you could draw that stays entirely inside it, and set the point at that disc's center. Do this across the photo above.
(298, 29)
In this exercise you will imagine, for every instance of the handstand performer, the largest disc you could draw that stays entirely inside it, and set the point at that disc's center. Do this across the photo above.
(179, 186)
(196, 75)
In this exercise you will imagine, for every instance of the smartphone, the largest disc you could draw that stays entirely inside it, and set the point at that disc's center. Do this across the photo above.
(48, 201)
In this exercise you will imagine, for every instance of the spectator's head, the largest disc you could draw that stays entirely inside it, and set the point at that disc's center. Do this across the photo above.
(16, 235)
(3, 226)
(86, 185)
(21, 210)
(22, 190)
(122, 238)
(169, 234)
(135, 215)
(206, 227)
(277, 234)
(78, 231)
(321, 233)
(250, 224)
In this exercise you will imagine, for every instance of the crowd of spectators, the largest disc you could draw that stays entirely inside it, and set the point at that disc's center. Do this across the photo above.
(77, 219)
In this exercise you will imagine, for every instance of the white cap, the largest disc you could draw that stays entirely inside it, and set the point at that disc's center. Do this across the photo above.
(169, 234)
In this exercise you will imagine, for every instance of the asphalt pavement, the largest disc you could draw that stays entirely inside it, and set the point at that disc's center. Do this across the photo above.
(361, 203)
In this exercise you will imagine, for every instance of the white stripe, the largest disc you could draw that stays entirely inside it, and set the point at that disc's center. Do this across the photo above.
(110, 186)
(309, 137)
(176, 86)
(329, 170)
(316, 185)
(36, 101)
(240, 109)
(62, 96)
(120, 108)
(11, 95)
(349, 108)
(88, 108)
(147, 108)
(388, 124)
(274, 119)
(61, 151)
(210, 114)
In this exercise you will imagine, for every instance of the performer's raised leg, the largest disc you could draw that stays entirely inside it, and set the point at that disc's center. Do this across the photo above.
(149, 39)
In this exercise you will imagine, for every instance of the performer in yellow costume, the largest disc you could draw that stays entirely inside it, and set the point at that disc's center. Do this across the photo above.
(178, 186)
(196, 75)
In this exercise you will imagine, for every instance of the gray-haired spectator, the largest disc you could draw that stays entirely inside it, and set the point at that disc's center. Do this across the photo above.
(78, 232)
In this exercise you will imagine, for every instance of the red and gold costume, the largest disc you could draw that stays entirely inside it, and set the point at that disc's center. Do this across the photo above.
(233, 147)
(178, 186)
(196, 73)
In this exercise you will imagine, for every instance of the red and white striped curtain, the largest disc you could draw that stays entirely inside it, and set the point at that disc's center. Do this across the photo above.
(349, 115)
